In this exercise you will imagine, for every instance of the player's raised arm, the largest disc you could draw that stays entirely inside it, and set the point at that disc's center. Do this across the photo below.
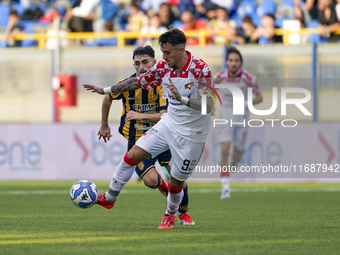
(126, 85)
(195, 104)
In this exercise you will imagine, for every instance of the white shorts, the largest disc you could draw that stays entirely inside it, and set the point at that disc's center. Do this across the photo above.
(184, 154)
(237, 135)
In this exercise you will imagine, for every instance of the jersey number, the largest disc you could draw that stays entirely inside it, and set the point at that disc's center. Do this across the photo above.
(187, 165)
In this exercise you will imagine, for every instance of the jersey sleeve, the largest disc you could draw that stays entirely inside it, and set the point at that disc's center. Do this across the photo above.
(205, 79)
(116, 96)
(206, 75)
(162, 100)
(153, 77)
(255, 86)
(219, 78)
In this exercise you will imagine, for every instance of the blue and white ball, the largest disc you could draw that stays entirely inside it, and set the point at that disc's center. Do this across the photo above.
(84, 194)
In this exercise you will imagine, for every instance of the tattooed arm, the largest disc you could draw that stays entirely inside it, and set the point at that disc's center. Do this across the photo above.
(126, 85)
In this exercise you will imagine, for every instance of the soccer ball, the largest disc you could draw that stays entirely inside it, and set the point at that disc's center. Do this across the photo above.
(84, 194)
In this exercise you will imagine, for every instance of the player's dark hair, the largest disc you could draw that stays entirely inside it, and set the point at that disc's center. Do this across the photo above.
(233, 50)
(109, 25)
(146, 50)
(134, 5)
(174, 37)
(164, 4)
(270, 16)
(247, 19)
(221, 8)
(13, 12)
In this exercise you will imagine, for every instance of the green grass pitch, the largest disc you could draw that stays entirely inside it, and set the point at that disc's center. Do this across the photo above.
(39, 218)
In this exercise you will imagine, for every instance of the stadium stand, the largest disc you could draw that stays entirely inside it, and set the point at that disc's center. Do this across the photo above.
(37, 18)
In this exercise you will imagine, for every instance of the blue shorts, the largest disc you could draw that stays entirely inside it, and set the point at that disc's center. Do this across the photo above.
(143, 167)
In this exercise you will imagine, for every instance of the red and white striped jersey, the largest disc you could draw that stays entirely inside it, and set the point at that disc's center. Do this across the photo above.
(183, 120)
(243, 80)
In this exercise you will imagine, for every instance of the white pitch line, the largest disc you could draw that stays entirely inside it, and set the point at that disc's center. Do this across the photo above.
(149, 191)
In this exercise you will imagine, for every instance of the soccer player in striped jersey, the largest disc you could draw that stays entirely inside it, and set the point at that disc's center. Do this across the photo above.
(235, 135)
(141, 110)
(182, 129)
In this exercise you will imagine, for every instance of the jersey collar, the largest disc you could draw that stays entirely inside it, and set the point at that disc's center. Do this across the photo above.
(238, 73)
(186, 67)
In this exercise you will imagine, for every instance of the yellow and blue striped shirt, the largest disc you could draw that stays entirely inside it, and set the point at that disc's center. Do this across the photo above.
(142, 101)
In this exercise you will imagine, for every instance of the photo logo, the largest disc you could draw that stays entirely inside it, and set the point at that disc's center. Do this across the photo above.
(205, 87)
(239, 104)
(238, 100)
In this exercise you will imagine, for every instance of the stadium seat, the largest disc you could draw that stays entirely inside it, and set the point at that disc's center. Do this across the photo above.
(315, 38)
(284, 10)
(19, 8)
(266, 7)
(61, 10)
(3, 43)
(29, 30)
(42, 6)
(263, 40)
(246, 8)
(102, 42)
(286, 3)
(4, 13)
(177, 24)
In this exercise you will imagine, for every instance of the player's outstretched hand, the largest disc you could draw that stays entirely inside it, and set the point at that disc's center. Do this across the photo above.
(174, 91)
(105, 132)
(93, 89)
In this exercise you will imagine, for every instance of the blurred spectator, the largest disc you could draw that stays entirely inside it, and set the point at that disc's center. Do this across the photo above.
(183, 5)
(154, 27)
(205, 9)
(90, 15)
(80, 17)
(25, 3)
(52, 42)
(246, 33)
(190, 23)
(153, 5)
(266, 33)
(49, 16)
(229, 5)
(166, 16)
(328, 20)
(284, 10)
(307, 11)
(13, 29)
(221, 23)
(32, 13)
(104, 41)
(337, 9)
(135, 21)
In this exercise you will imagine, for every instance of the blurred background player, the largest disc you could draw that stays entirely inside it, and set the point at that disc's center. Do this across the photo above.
(237, 134)
(141, 110)
(183, 129)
